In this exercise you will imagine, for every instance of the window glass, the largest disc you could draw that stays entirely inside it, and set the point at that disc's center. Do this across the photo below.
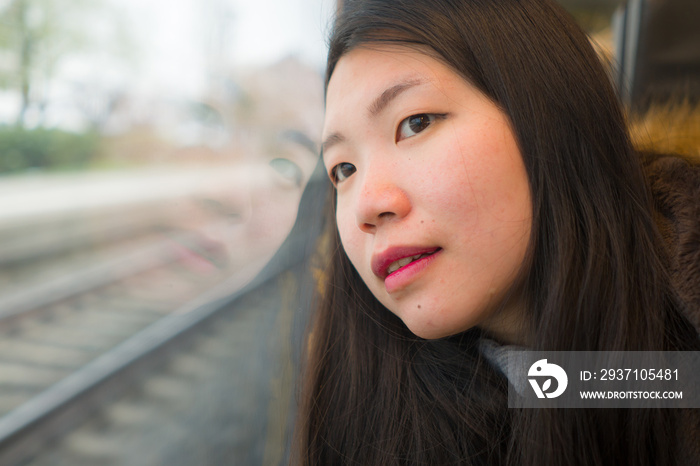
(153, 156)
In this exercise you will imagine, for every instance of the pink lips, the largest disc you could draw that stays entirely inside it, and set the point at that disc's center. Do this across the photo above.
(400, 277)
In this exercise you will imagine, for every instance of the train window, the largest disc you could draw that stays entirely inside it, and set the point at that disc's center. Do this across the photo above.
(153, 157)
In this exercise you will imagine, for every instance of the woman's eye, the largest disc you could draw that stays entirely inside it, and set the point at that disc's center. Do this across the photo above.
(288, 170)
(342, 171)
(414, 125)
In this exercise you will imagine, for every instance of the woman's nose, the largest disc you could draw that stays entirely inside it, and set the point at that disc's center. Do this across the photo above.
(380, 201)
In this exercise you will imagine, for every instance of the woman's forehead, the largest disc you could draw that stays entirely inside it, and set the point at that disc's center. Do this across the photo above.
(368, 78)
(377, 63)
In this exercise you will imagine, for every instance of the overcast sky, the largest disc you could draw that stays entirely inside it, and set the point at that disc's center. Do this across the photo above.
(179, 40)
(172, 49)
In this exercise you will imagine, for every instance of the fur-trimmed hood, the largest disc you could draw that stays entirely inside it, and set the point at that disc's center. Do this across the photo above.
(675, 185)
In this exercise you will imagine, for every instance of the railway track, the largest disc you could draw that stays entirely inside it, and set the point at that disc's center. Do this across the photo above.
(51, 328)
(222, 396)
(163, 384)
(65, 309)
(61, 338)
(83, 327)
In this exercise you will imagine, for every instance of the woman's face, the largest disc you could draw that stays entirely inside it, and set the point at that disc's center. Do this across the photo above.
(433, 201)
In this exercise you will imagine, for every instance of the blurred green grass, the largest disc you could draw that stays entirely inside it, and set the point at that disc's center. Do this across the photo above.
(24, 150)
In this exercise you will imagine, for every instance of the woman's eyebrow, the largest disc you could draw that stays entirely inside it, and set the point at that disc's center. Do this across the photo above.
(381, 102)
(377, 106)
(330, 141)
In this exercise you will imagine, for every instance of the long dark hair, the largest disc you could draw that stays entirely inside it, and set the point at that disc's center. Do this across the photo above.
(596, 275)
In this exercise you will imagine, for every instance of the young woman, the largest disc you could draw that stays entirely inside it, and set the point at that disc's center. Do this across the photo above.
(486, 194)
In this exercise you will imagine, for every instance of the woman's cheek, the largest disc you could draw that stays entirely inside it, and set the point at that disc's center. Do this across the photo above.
(349, 239)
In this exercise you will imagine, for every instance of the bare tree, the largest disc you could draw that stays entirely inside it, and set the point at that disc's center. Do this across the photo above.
(35, 36)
